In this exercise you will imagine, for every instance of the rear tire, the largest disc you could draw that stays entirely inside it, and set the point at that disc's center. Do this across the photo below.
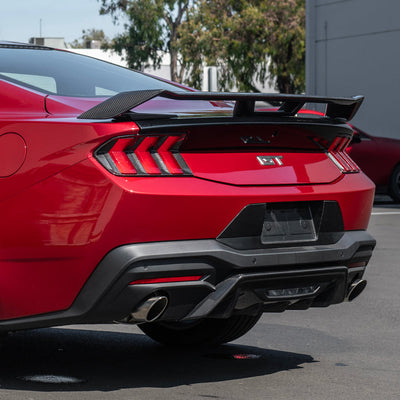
(394, 184)
(202, 332)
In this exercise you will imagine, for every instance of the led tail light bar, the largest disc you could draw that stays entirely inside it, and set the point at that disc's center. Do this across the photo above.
(336, 152)
(143, 155)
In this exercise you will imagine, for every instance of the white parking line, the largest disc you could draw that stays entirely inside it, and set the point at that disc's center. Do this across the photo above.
(386, 213)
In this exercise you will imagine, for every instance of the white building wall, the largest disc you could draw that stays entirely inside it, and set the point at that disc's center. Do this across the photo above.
(353, 47)
(104, 55)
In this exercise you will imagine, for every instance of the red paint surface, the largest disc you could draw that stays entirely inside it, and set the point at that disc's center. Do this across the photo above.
(12, 154)
(244, 168)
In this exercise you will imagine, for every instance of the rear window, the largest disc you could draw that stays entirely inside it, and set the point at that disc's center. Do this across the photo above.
(68, 74)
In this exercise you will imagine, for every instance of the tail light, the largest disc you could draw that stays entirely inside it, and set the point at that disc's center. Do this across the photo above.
(336, 152)
(144, 155)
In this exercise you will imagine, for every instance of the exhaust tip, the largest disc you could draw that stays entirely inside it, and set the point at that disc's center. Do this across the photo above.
(356, 288)
(150, 310)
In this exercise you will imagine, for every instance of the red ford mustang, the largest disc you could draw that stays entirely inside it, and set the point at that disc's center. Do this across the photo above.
(127, 198)
(379, 158)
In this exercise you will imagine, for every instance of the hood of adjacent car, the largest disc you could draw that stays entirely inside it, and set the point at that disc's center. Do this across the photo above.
(386, 140)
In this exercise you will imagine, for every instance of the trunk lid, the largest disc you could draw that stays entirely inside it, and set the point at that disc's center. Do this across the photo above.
(228, 139)
(258, 154)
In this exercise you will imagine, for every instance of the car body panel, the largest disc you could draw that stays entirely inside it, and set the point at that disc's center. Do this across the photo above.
(20, 102)
(245, 169)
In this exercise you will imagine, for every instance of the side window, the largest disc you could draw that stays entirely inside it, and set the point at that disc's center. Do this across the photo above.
(40, 82)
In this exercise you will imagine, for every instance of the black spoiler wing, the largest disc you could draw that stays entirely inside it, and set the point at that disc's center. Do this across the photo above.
(337, 107)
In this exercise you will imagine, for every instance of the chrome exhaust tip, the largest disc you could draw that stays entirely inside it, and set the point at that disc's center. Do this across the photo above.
(150, 310)
(356, 288)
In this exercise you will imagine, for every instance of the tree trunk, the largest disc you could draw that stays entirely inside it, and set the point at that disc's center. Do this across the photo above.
(174, 65)
(284, 85)
(174, 54)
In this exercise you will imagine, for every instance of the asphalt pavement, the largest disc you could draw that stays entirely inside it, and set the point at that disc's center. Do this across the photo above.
(347, 351)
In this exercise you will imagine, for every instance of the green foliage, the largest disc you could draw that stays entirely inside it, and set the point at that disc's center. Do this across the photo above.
(151, 29)
(248, 40)
(287, 49)
(88, 36)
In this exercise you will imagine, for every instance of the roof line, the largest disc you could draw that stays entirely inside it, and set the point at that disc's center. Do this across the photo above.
(19, 45)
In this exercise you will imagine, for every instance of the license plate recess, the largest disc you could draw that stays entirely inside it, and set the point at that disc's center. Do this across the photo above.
(288, 223)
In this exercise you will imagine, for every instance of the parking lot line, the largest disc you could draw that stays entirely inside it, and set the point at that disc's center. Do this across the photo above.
(386, 213)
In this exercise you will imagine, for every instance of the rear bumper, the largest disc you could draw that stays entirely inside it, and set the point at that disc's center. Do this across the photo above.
(233, 280)
(76, 217)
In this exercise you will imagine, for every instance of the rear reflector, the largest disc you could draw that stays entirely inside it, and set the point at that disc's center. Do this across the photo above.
(358, 264)
(168, 279)
(150, 155)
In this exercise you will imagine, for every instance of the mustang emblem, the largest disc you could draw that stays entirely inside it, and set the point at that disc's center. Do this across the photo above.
(270, 160)
(254, 140)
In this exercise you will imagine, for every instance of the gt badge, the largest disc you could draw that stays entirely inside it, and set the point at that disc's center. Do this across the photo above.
(270, 160)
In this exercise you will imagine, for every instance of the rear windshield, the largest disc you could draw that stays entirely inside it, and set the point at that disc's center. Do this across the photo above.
(67, 74)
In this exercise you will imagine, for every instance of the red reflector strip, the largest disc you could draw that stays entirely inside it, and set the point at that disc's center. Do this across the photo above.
(120, 158)
(143, 154)
(358, 264)
(168, 279)
(165, 153)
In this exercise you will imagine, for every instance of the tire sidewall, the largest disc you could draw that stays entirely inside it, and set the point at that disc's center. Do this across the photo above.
(394, 187)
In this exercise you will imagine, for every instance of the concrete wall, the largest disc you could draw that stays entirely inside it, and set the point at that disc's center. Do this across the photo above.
(353, 47)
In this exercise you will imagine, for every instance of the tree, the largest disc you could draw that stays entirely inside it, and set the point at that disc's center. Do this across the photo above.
(152, 29)
(88, 36)
(246, 40)
(287, 47)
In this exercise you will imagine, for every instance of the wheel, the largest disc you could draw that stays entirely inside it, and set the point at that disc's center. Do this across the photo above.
(394, 184)
(202, 332)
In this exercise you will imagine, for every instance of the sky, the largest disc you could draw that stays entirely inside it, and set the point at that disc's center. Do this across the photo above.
(20, 19)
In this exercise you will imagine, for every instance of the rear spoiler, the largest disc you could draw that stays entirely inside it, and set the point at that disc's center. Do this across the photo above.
(337, 107)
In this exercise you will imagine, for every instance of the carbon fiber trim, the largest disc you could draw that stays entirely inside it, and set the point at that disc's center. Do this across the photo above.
(119, 104)
(337, 107)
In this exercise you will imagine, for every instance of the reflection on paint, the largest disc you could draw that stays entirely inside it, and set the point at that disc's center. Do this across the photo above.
(51, 379)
